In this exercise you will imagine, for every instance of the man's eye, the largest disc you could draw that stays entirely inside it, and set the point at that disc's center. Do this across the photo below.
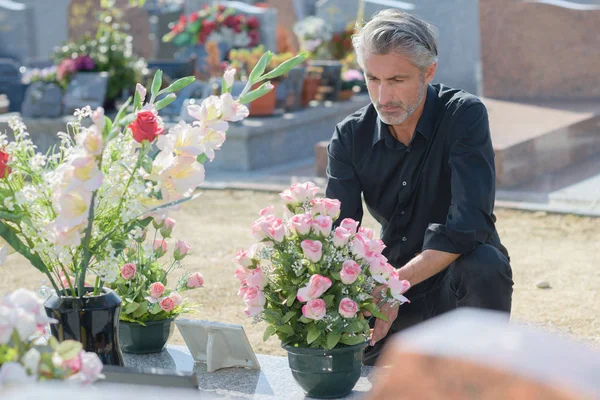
(372, 79)
(398, 80)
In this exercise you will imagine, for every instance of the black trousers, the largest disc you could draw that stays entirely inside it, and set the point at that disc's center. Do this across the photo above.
(481, 278)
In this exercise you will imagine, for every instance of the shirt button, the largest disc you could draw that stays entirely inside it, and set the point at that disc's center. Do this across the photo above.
(404, 239)
(402, 212)
(403, 183)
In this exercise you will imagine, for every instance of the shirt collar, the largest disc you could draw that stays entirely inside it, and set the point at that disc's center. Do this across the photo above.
(424, 126)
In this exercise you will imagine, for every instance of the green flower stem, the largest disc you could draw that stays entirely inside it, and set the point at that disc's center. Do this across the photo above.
(96, 286)
(137, 167)
(86, 247)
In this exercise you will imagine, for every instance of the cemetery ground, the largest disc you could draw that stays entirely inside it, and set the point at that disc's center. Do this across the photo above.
(561, 249)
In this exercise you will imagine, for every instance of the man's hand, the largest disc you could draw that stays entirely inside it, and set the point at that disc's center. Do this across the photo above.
(391, 312)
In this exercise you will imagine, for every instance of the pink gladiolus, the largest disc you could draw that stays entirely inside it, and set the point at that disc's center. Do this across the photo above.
(322, 225)
(157, 289)
(350, 224)
(167, 304)
(397, 287)
(314, 309)
(317, 285)
(348, 308)
(195, 280)
(128, 271)
(301, 223)
(341, 237)
(313, 250)
(350, 271)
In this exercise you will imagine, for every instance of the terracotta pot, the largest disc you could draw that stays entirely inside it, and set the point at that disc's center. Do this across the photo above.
(309, 90)
(264, 105)
(345, 95)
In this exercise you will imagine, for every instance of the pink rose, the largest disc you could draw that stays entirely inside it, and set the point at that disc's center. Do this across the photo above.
(157, 289)
(377, 246)
(350, 224)
(379, 268)
(243, 258)
(366, 232)
(287, 197)
(317, 206)
(160, 248)
(350, 271)
(256, 278)
(322, 225)
(317, 285)
(341, 236)
(302, 192)
(276, 230)
(332, 207)
(267, 211)
(397, 287)
(74, 364)
(243, 289)
(301, 223)
(359, 247)
(313, 250)
(314, 309)
(182, 249)
(176, 297)
(91, 367)
(251, 311)
(254, 297)
(167, 304)
(195, 280)
(260, 228)
(348, 308)
(241, 273)
(167, 229)
(128, 271)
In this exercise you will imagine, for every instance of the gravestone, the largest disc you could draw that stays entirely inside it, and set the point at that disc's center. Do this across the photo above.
(83, 18)
(304, 8)
(50, 21)
(267, 18)
(42, 100)
(86, 88)
(337, 13)
(331, 79)
(294, 83)
(17, 31)
(10, 83)
(164, 23)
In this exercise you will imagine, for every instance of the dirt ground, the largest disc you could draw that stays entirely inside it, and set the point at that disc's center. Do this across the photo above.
(561, 249)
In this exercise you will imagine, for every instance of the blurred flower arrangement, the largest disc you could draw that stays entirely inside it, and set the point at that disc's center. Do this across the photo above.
(352, 78)
(26, 357)
(45, 75)
(314, 35)
(310, 282)
(245, 60)
(341, 43)
(110, 50)
(142, 282)
(215, 23)
(71, 212)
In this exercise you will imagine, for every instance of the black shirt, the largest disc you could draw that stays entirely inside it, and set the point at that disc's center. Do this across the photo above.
(436, 193)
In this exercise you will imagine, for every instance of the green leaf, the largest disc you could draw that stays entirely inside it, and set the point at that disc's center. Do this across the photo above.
(131, 307)
(137, 101)
(108, 124)
(290, 300)
(304, 320)
(336, 276)
(53, 343)
(286, 66)
(122, 111)
(69, 349)
(178, 85)
(270, 331)
(255, 94)
(201, 158)
(141, 310)
(156, 84)
(313, 334)
(329, 300)
(147, 163)
(288, 330)
(13, 241)
(260, 67)
(165, 101)
(10, 217)
(273, 317)
(352, 340)
(289, 315)
(333, 339)
(380, 315)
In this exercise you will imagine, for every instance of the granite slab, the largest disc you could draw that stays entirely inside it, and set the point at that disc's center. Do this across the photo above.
(273, 381)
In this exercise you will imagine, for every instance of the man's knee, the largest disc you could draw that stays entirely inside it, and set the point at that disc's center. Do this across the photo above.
(484, 264)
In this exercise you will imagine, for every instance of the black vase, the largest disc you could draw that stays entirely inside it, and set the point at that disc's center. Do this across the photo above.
(326, 374)
(93, 321)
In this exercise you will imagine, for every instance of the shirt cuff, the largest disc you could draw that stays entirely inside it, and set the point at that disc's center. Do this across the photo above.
(440, 237)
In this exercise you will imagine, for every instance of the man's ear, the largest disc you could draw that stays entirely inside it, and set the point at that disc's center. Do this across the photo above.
(430, 73)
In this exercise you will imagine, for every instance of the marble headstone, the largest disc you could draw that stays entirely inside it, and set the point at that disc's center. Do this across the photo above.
(331, 80)
(10, 83)
(86, 88)
(42, 100)
(17, 31)
(50, 20)
(164, 23)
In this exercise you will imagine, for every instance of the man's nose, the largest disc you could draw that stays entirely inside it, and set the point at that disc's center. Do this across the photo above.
(385, 93)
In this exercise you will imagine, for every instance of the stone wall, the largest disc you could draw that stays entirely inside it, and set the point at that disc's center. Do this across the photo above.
(539, 51)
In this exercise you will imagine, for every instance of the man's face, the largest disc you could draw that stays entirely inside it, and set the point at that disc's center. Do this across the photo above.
(396, 86)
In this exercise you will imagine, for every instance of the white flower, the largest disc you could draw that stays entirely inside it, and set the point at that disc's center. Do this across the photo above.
(81, 113)
(13, 373)
(31, 361)
(183, 140)
(182, 177)
(8, 317)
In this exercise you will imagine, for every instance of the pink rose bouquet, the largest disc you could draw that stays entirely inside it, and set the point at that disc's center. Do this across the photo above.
(311, 280)
(146, 266)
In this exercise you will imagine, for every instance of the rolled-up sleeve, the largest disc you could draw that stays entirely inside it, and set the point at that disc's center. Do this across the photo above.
(342, 181)
(470, 216)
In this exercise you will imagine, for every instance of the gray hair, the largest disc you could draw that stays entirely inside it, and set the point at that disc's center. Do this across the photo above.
(396, 31)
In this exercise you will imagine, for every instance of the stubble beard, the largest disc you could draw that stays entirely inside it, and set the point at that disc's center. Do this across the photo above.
(398, 117)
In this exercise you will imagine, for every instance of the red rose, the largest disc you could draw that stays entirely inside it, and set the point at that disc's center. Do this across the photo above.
(253, 23)
(229, 21)
(145, 127)
(208, 27)
(4, 168)
(194, 17)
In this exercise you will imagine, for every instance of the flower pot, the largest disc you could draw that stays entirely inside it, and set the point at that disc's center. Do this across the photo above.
(138, 339)
(345, 95)
(93, 321)
(265, 105)
(326, 374)
(310, 89)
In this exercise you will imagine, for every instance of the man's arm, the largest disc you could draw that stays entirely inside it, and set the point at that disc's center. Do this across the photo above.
(469, 220)
(342, 181)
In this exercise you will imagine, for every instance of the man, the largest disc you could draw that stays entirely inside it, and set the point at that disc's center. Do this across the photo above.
(422, 157)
